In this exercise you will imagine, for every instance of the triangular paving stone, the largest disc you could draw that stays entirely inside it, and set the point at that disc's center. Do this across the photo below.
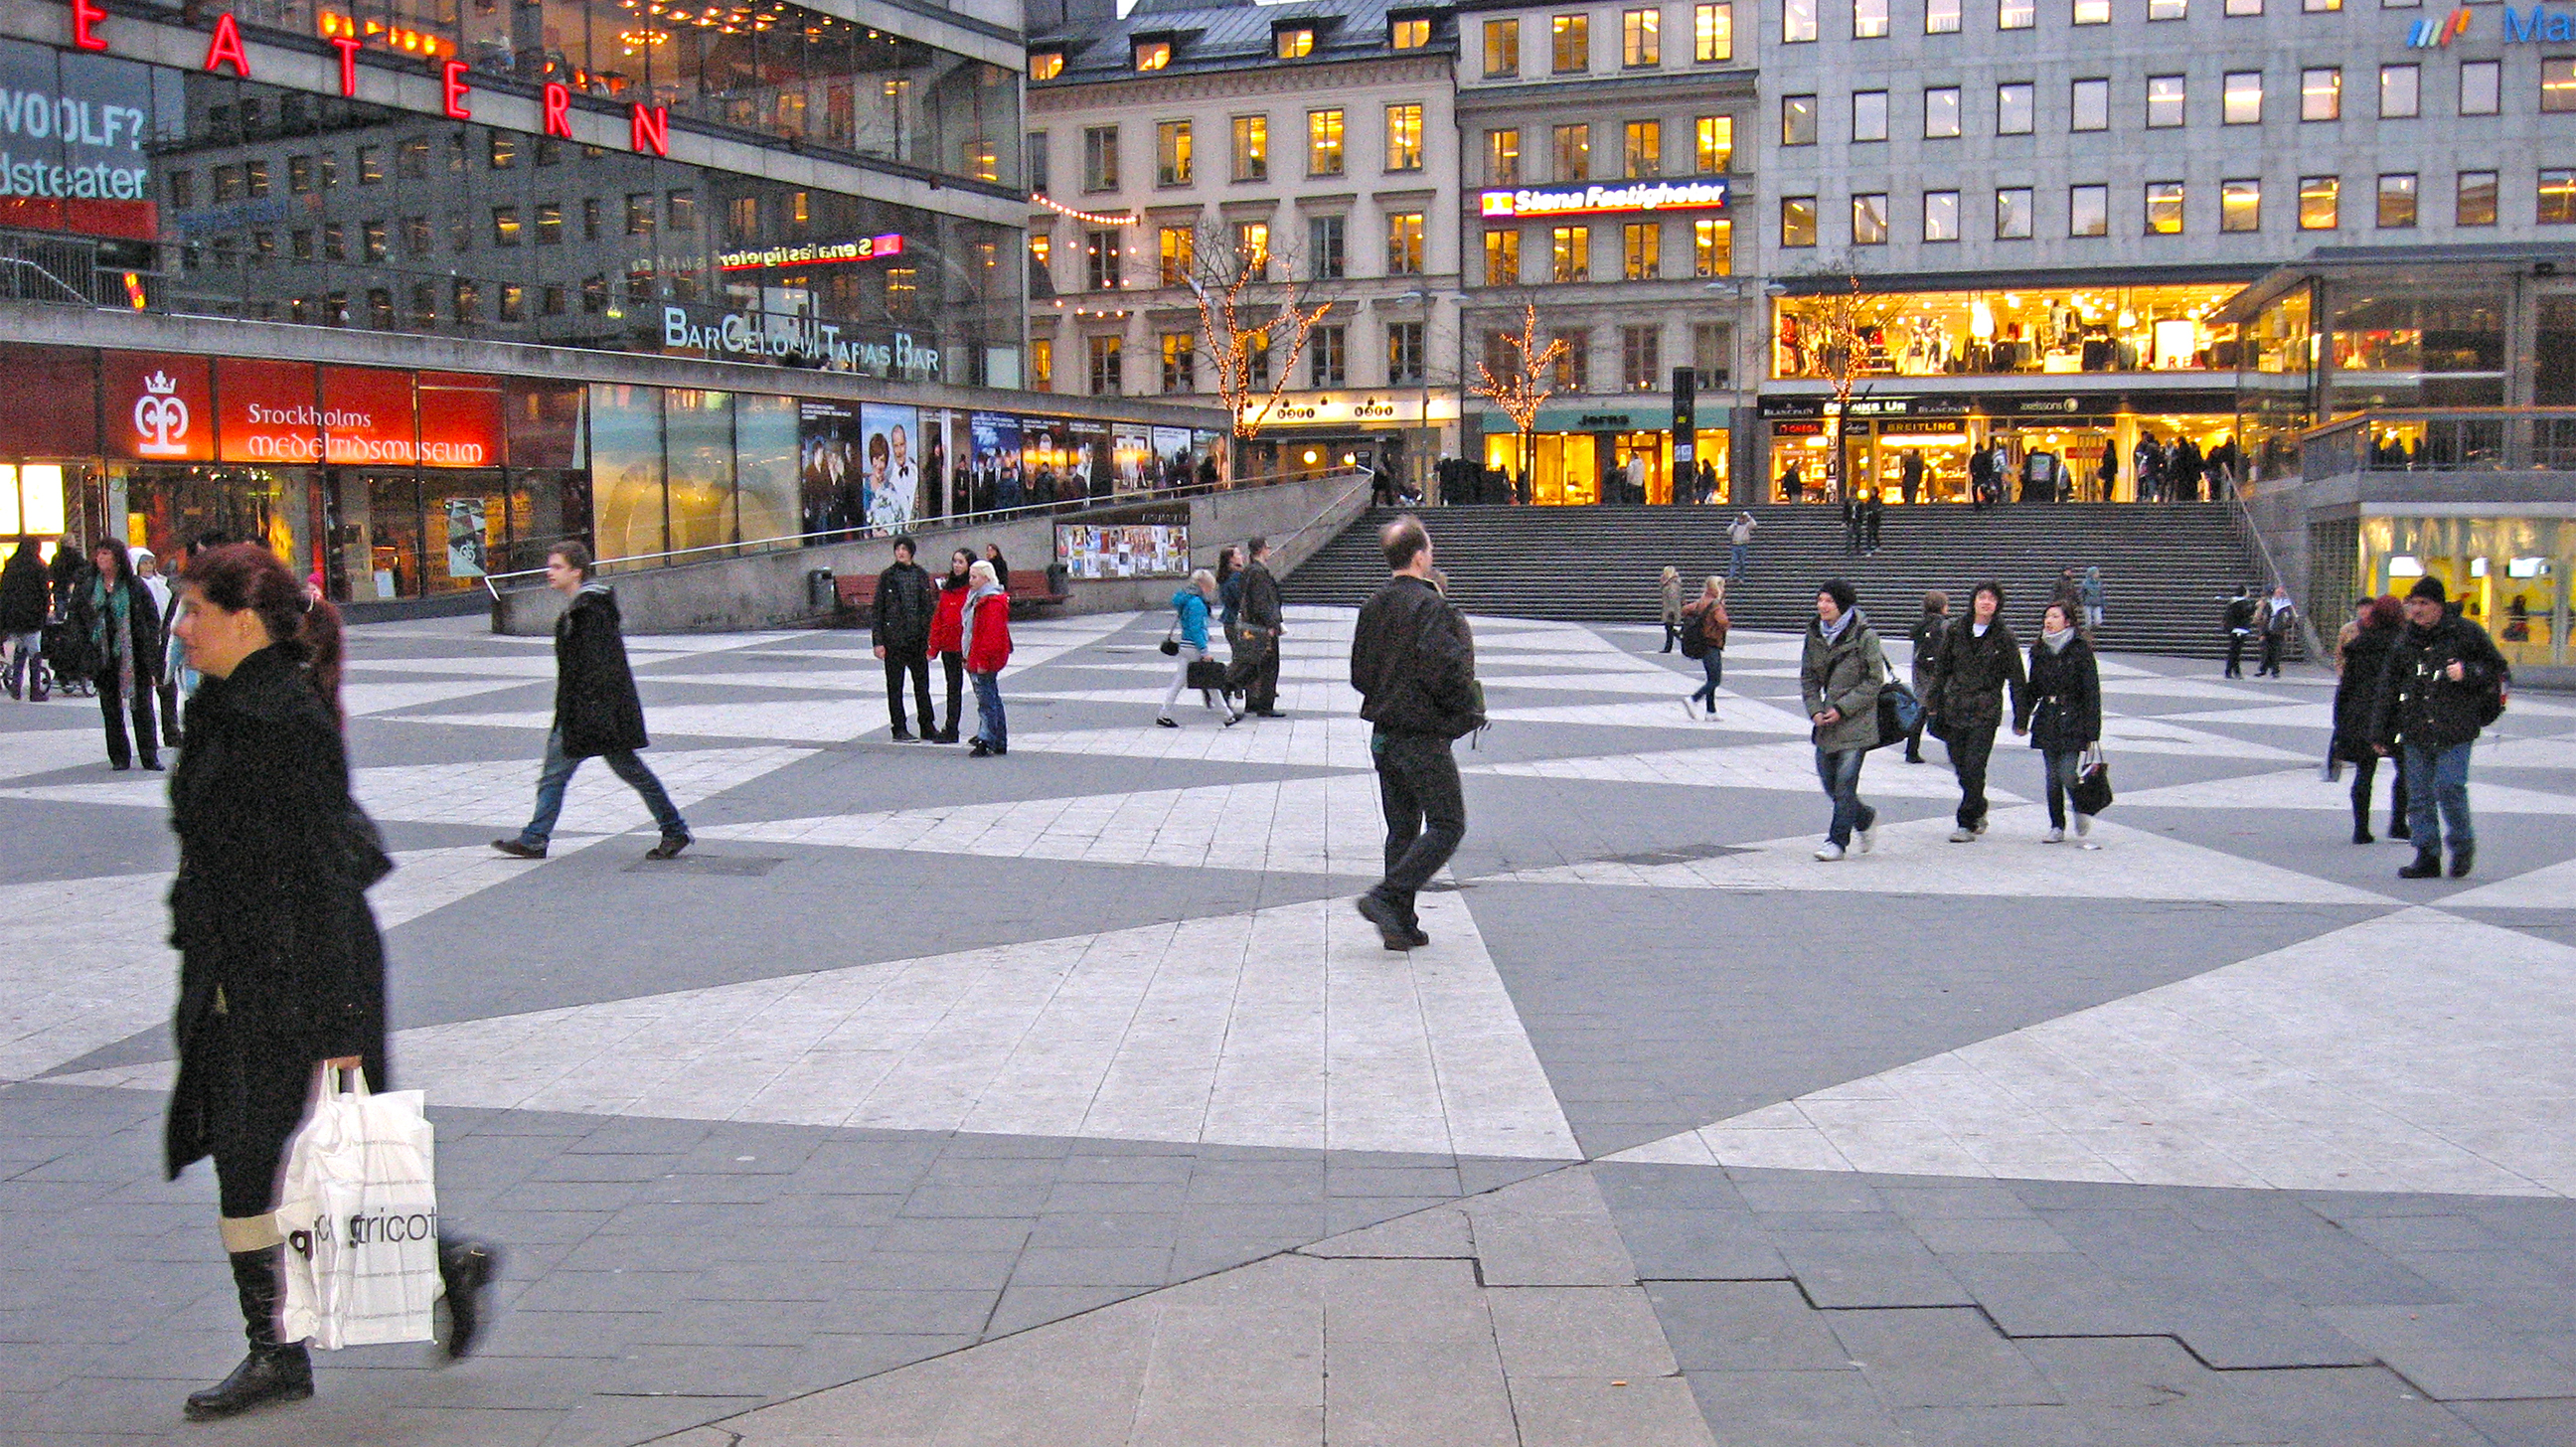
(1784, 767)
(2302, 789)
(2318, 717)
(2550, 887)
(1742, 715)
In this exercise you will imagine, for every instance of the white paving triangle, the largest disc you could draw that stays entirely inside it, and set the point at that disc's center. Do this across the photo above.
(2316, 717)
(1307, 826)
(2163, 736)
(2302, 789)
(43, 751)
(1786, 767)
(804, 720)
(2550, 887)
(2010, 862)
(1735, 713)
(2154, 686)
(1286, 1027)
(2548, 753)
(1655, 684)
(359, 698)
(519, 668)
(2417, 1051)
(1322, 740)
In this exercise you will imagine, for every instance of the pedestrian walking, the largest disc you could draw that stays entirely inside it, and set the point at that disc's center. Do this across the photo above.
(1229, 594)
(901, 613)
(2280, 616)
(1873, 511)
(948, 638)
(1926, 639)
(2363, 661)
(2238, 621)
(1851, 524)
(1739, 545)
(1671, 589)
(2444, 681)
(987, 628)
(1413, 661)
(23, 590)
(281, 967)
(2089, 591)
(123, 626)
(1256, 674)
(1981, 478)
(1703, 628)
(165, 597)
(2063, 715)
(1976, 660)
(1190, 607)
(1909, 474)
(598, 714)
(2069, 593)
(1840, 669)
(1793, 482)
(68, 571)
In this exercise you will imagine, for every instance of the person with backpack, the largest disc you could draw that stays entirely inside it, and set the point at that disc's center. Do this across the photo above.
(598, 713)
(1840, 668)
(1413, 661)
(901, 612)
(1973, 661)
(2238, 621)
(22, 616)
(2363, 659)
(2280, 618)
(2062, 714)
(1703, 635)
(1926, 641)
(2444, 681)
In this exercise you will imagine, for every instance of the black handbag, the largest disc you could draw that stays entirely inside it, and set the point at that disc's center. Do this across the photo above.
(1898, 709)
(1208, 674)
(2092, 791)
(1171, 646)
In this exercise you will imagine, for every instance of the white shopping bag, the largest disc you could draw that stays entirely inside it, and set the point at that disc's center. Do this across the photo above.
(360, 1215)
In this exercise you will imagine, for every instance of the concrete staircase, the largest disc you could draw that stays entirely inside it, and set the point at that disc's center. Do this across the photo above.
(2164, 567)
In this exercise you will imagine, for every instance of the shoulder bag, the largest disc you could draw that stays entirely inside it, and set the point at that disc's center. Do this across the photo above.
(2092, 791)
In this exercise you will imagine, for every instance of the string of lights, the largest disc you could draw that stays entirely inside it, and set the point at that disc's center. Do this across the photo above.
(1088, 218)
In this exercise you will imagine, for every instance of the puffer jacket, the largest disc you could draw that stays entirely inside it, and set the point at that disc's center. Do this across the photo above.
(1843, 673)
(1191, 611)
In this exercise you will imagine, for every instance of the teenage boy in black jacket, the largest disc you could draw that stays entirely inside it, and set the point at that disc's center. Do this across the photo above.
(901, 617)
(1414, 663)
(2442, 677)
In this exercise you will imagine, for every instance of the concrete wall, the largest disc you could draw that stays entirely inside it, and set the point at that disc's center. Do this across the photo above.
(767, 590)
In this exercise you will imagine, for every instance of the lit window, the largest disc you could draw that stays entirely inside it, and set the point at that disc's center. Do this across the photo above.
(2168, 9)
(1404, 352)
(1502, 257)
(1252, 248)
(1797, 120)
(1869, 19)
(1404, 244)
(2089, 105)
(2164, 208)
(2481, 87)
(2320, 203)
(1046, 65)
(2014, 108)
(2241, 98)
(1408, 33)
(1153, 54)
(1641, 39)
(1797, 21)
(2092, 12)
(1713, 145)
(1712, 247)
(2240, 205)
(2016, 14)
(2321, 93)
(2400, 92)
(1570, 254)
(1324, 143)
(2164, 101)
(1712, 33)
(1502, 48)
(2014, 213)
(1252, 148)
(1503, 158)
(2557, 198)
(1180, 363)
(1643, 149)
(1404, 137)
(1869, 219)
(2318, 7)
(1573, 153)
(1572, 39)
(1641, 245)
(2558, 81)
(2244, 7)
(1172, 151)
(1176, 248)
(1869, 115)
(1940, 17)
(1293, 42)
(2476, 205)
(1941, 111)
(1797, 221)
(2397, 202)
(2088, 210)
(1041, 363)
(1940, 215)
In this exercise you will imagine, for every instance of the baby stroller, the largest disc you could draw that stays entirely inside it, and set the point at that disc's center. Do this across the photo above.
(66, 656)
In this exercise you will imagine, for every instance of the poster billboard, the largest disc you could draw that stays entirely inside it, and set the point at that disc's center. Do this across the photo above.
(1172, 462)
(1151, 545)
(993, 472)
(827, 445)
(892, 443)
(1132, 458)
(466, 537)
(1090, 468)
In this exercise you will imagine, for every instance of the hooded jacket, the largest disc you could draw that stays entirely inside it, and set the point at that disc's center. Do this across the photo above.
(1843, 672)
(596, 707)
(2418, 703)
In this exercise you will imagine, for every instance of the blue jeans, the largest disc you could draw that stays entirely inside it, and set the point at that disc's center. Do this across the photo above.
(990, 725)
(624, 764)
(24, 650)
(1840, 772)
(2061, 767)
(2437, 792)
(1714, 663)
(1738, 555)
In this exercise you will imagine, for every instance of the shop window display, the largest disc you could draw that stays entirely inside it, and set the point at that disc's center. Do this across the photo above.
(1931, 334)
(2509, 574)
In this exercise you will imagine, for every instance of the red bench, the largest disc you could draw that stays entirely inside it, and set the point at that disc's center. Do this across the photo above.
(857, 595)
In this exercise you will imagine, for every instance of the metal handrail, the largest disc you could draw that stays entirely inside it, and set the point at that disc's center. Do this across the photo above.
(2308, 633)
(784, 543)
(1365, 479)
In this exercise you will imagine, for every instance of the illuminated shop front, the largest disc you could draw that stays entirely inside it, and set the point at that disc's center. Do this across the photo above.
(2509, 573)
(2058, 443)
(2048, 331)
(1584, 455)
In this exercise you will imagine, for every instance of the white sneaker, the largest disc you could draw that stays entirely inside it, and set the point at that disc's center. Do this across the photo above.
(1690, 707)
(1963, 836)
(1831, 853)
(2083, 827)
(1869, 837)
(2053, 836)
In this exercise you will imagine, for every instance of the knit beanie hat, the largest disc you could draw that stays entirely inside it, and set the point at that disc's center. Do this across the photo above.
(1841, 592)
(2428, 586)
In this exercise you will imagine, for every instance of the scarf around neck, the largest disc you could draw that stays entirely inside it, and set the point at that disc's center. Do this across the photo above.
(1833, 631)
(2057, 641)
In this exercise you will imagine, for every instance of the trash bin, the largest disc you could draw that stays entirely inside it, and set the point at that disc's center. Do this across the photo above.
(819, 592)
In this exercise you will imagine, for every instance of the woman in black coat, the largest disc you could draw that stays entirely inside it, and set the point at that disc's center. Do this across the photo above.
(116, 613)
(2363, 660)
(280, 964)
(23, 593)
(2063, 714)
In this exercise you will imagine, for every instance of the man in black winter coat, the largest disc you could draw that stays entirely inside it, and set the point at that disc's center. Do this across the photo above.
(1258, 624)
(1414, 663)
(2442, 684)
(22, 612)
(904, 602)
(597, 711)
(1976, 658)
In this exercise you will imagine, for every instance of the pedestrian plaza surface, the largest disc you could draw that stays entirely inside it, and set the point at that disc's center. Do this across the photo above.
(1063, 1099)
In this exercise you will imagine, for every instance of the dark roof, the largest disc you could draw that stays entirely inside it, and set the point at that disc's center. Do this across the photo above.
(1232, 36)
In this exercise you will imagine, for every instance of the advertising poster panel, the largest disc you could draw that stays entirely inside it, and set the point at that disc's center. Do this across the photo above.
(1142, 542)
(1046, 458)
(994, 470)
(1132, 457)
(1172, 461)
(892, 446)
(1088, 463)
(827, 442)
(467, 537)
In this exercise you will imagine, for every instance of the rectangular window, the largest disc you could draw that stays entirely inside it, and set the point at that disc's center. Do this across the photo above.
(1869, 19)
(1940, 215)
(1503, 158)
(1252, 148)
(1293, 42)
(2400, 92)
(1152, 55)
(1713, 247)
(1100, 158)
(1411, 33)
(1404, 358)
(1797, 221)
(1502, 257)
(1569, 256)
(2092, 12)
(2321, 93)
(1108, 373)
(1940, 17)
(1574, 364)
(1502, 49)
(2557, 199)
(2014, 212)
(2089, 105)
(1326, 257)
(1324, 143)
(1641, 359)
(1172, 153)
(1328, 357)
(2244, 7)
(1404, 244)
(1404, 136)
(2168, 9)
(1940, 112)
(2016, 14)
(1713, 33)
(1713, 145)
(1797, 120)
(2015, 108)
(1869, 219)
(2397, 202)
(2481, 87)
(371, 241)
(1641, 249)
(1869, 115)
(639, 213)
(2558, 80)
(1573, 153)
(2476, 203)
(2164, 101)
(1712, 354)
(2164, 208)
(1642, 149)
(505, 226)
(299, 174)
(2240, 205)
(1046, 65)
(1180, 363)
(1641, 39)
(2241, 98)
(2319, 7)
(1797, 21)
(2088, 210)
(1252, 248)
(1570, 38)
(1042, 259)
(1175, 248)
(1041, 363)
(2320, 203)
(1100, 260)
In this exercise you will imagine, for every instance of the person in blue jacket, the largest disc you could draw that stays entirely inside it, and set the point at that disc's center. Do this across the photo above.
(1190, 631)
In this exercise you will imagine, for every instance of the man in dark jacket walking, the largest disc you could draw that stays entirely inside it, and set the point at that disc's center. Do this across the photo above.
(1414, 663)
(2239, 623)
(1840, 668)
(1976, 658)
(1258, 626)
(22, 613)
(2442, 684)
(597, 711)
(902, 611)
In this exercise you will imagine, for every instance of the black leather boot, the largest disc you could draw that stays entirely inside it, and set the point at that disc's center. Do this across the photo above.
(466, 1267)
(2361, 823)
(2427, 865)
(2398, 828)
(274, 1371)
(2464, 857)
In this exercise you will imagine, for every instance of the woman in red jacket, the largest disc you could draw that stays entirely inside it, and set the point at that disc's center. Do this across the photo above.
(947, 639)
(987, 641)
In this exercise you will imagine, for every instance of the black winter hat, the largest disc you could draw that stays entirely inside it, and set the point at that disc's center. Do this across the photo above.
(2428, 586)
(1841, 592)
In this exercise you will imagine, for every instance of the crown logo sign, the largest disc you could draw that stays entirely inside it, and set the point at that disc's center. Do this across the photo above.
(160, 385)
(160, 419)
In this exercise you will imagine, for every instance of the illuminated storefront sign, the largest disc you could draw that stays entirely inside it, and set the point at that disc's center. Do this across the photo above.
(157, 408)
(813, 253)
(73, 153)
(799, 341)
(1545, 201)
(2524, 27)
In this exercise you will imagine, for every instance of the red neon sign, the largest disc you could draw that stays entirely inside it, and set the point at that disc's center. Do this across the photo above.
(453, 90)
(85, 17)
(651, 130)
(347, 45)
(558, 110)
(226, 47)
